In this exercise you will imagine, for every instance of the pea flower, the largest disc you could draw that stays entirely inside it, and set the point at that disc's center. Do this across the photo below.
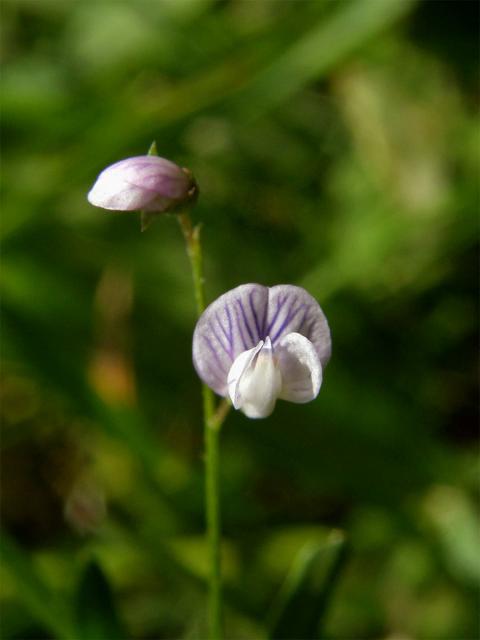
(147, 183)
(256, 344)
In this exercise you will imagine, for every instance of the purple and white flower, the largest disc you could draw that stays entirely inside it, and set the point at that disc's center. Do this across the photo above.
(147, 183)
(256, 344)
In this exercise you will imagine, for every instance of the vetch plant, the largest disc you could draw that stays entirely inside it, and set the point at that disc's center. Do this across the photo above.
(253, 345)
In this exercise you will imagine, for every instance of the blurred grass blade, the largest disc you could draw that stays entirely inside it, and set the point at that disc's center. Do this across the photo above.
(43, 604)
(300, 607)
(96, 614)
(352, 24)
(453, 522)
(60, 371)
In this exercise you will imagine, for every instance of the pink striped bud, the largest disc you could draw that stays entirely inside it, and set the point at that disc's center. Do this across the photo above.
(146, 183)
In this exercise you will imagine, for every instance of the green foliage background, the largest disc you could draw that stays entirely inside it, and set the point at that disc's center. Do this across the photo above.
(336, 147)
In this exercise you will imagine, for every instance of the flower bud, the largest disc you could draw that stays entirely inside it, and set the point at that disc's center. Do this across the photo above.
(147, 183)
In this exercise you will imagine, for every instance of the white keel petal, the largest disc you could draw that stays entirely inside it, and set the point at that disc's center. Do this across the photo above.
(300, 368)
(254, 381)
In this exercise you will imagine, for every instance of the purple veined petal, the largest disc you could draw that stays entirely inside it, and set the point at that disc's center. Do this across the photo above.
(300, 367)
(240, 318)
(159, 175)
(291, 309)
(142, 182)
(232, 324)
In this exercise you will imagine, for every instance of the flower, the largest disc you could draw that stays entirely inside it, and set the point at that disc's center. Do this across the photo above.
(149, 183)
(256, 344)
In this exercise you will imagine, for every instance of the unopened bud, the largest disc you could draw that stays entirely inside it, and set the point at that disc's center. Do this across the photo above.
(147, 183)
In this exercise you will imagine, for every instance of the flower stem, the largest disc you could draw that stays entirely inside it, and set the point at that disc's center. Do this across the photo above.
(212, 506)
(194, 250)
(213, 419)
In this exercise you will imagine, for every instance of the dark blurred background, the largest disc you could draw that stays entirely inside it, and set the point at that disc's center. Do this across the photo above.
(336, 147)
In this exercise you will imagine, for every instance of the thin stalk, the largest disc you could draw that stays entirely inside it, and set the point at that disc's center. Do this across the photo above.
(212, 506)
(194, 250)
(213, 419)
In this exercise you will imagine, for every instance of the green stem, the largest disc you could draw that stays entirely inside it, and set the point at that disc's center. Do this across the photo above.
(213, 419)
(212, 506)
(194, 250)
